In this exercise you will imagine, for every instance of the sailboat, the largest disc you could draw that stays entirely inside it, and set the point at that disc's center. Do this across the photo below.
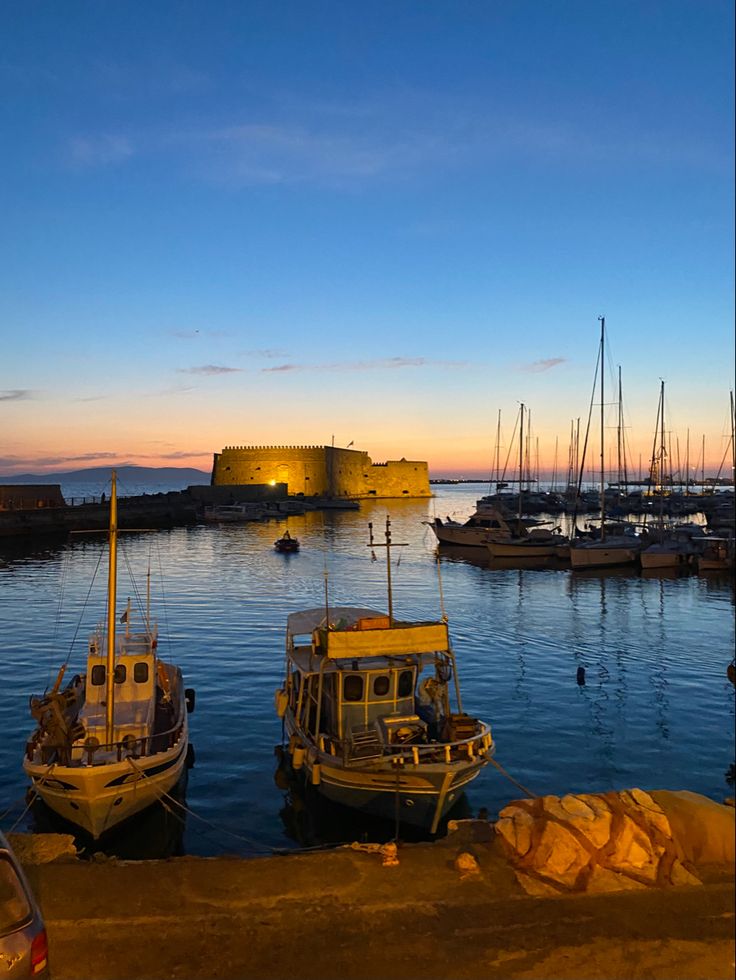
(116, 738)
(671, 548)
(367, 707)
(528, 543)
(619, 549)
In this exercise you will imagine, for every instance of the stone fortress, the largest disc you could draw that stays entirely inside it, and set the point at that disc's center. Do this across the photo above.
(320, 471)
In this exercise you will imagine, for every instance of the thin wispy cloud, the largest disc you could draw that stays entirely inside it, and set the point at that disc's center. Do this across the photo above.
(210, 369)
(546, 364)
(197, 334)
(14, 394)
(101, 150)
(268, 354)
(414, 132)
(380, 364)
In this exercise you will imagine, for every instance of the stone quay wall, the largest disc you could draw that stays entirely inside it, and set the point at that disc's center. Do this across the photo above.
(321, 471)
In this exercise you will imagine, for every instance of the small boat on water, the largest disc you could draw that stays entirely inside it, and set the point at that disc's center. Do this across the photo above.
(115, 738)
(366, 705)
(286, 544)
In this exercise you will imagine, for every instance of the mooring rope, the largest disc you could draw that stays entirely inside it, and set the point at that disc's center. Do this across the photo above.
(532, 796)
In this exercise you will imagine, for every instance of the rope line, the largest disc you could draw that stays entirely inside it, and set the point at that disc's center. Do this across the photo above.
(532, 796)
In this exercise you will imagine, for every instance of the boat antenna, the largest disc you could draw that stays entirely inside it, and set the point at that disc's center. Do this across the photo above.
(325, 574)
(396, 544)
(442, 594)
(111, 595)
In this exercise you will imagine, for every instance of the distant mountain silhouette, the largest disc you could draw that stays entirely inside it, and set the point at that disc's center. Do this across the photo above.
(126, 474)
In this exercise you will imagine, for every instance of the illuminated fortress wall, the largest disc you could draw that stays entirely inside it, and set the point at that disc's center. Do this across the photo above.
(314, 470)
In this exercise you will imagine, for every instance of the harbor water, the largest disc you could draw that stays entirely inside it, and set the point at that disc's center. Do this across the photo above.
(652, 708)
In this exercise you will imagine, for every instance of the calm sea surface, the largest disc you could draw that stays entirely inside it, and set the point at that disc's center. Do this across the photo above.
(656, 710)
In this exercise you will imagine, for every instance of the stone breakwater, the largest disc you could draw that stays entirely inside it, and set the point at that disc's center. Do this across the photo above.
(603, 842)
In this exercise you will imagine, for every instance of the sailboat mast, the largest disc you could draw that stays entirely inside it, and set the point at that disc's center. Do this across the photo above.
(521, 457)
(498, 451)
(603, 458)
(620, 473)
(111, 595)
(662, 454)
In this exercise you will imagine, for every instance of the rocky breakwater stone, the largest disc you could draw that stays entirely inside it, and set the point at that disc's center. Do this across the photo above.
(43, 848)
(606, 842)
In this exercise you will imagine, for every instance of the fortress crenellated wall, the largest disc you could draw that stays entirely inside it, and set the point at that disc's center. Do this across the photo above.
(321, 470)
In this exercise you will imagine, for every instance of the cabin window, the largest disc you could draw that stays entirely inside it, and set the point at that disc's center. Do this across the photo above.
(97, 676)
(120, 673)
(381, 685)
(406, 683)
(352, 688)
(140, 673)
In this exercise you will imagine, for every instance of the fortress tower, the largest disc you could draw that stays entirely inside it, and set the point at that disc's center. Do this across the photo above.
(320, 471)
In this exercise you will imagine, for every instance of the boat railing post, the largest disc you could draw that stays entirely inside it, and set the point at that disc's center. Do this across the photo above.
(320, 684)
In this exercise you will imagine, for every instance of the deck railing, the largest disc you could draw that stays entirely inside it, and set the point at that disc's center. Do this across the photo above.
(129, 746)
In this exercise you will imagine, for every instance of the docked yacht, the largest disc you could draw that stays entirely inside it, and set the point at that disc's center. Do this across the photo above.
(488, 522)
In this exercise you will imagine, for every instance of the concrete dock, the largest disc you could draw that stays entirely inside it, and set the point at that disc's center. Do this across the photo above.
(339, 914)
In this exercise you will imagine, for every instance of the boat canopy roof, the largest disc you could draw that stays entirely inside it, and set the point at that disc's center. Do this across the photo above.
(355, 633)
(340, 617)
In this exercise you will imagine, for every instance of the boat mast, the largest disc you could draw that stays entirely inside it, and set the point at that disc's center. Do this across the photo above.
(111, 595)
(498, 451)
(603, 460)
(662, 454)
(521, 458)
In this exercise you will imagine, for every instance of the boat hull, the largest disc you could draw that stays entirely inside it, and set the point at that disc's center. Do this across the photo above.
(503, 549)
(470, 537)
(420, 799)
(597, 557)
(664, 559)
(99, 798)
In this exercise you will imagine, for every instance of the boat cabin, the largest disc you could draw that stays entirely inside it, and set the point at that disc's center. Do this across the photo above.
(357, 684)
(135, 687)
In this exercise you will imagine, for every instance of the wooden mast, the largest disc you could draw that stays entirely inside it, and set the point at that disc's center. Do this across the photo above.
(111, 596)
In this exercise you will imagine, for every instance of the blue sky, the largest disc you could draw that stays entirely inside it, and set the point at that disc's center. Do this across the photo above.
(275, 222)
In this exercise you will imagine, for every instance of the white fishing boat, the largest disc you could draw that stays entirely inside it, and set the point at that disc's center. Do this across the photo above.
(368, 713)
(115, 738)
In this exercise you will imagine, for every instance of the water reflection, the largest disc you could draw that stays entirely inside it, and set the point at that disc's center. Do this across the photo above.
(654, 709)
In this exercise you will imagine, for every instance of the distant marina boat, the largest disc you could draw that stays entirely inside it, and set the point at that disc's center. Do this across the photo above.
(487, 523)
(366, 705)
(522, 542)
(114, 739)
(234, 513)
(618, 549)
